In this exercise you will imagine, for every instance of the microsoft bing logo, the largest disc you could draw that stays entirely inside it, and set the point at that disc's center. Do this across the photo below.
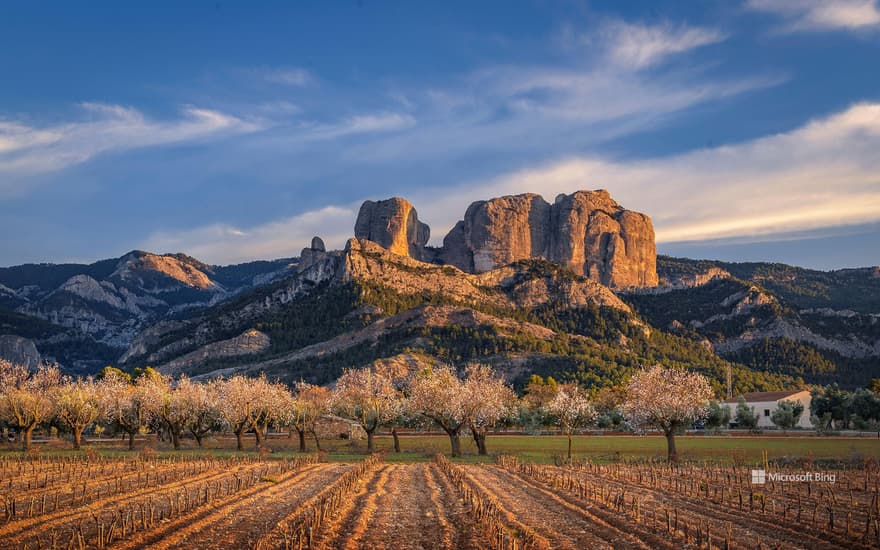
(759, 477)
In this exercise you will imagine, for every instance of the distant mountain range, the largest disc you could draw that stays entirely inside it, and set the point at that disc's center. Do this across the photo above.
(572, 289)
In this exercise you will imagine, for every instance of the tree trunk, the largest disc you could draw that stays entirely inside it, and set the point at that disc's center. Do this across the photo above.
(317, 441)
(198, 437)
(569, 447)
(175, 439)
(370, 441)
(77, 437)
(239, 444)
(396, 440)
(302, 441)
(671, 455)
(130, 441)
(26, 441)
(454, 442)
(480, 440)
(258, 433)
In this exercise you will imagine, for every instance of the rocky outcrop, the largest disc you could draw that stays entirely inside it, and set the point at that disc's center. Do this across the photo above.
(250, 342)
(311, 255)
(586, 231)
(20, 351)
(395, 225)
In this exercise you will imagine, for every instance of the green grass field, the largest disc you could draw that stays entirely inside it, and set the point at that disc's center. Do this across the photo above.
(724, 448)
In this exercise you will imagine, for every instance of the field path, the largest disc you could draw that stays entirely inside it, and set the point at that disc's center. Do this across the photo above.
(562, 524)
(239, 522)
(402, 506)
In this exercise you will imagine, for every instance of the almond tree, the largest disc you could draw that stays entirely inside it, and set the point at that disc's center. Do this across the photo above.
(123, 404)
(272, 401)
(26, 397)
(166, 404)
(571, 409)
(239, 406)
(369, 397)
(202, 402)
(666, 399)
(488, 399)
(306, 405)
(438, 394)
(78, 406)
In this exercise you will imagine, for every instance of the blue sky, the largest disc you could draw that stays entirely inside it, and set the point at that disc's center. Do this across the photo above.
(748, 130)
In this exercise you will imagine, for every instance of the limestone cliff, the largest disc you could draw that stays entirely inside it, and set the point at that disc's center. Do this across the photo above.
(586, 231)
(394, 224)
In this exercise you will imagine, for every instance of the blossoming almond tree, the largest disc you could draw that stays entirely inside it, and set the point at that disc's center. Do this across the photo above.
(123, 404)
(26, 397)
(239, 406)
(666, 399)
(307, 404)
(78, 406)
(571, 409)
(488, 399)
(437, 393)
(369, 397)
(202, 400)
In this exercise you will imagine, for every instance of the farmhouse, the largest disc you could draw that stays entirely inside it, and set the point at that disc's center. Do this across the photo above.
(765, 402)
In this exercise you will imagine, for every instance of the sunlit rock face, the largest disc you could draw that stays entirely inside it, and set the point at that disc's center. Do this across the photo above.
(394, 224)
(586, 231)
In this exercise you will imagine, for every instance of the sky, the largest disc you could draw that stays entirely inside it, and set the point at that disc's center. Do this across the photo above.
(749, 130)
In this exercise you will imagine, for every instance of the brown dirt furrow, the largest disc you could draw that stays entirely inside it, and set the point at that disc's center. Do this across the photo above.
(622, 531)
(459, 530)
(239, 521)
(748, 528)
(410, 514)
(14, 532)
(562, 526)
(349, 522)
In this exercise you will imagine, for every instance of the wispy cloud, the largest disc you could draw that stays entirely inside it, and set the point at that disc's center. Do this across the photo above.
(285, 76)
(821, 15)
(636, 46)
(284, 238)
(822, 174)
(27, 149)
(825, 173)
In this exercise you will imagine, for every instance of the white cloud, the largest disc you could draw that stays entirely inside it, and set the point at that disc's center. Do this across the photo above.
(825, 173)
(636, 46)
(821, 15)
(27, 150)
(284, 238)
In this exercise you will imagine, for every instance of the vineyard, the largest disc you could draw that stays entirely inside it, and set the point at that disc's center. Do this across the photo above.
(207, 502)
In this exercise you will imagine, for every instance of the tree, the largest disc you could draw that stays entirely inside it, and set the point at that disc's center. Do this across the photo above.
(78, 406)
(203, 403)
(271, 402)
(238, 406)
(438, 394)
(123, 404)
(717, 415)
(666, 399)
(834, 402)
(745, 415)
(571, 409)
(536, 395)
(307, 404)
(166, 404)
(488, 399)
(26, 397)
(787, 414)
(369, 397)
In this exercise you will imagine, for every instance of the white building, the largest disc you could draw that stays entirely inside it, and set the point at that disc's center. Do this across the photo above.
(765, 402)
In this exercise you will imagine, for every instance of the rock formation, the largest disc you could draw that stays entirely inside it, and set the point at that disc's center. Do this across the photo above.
(586, 231)
(395, 225)
(311, 255)
(20, 351)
